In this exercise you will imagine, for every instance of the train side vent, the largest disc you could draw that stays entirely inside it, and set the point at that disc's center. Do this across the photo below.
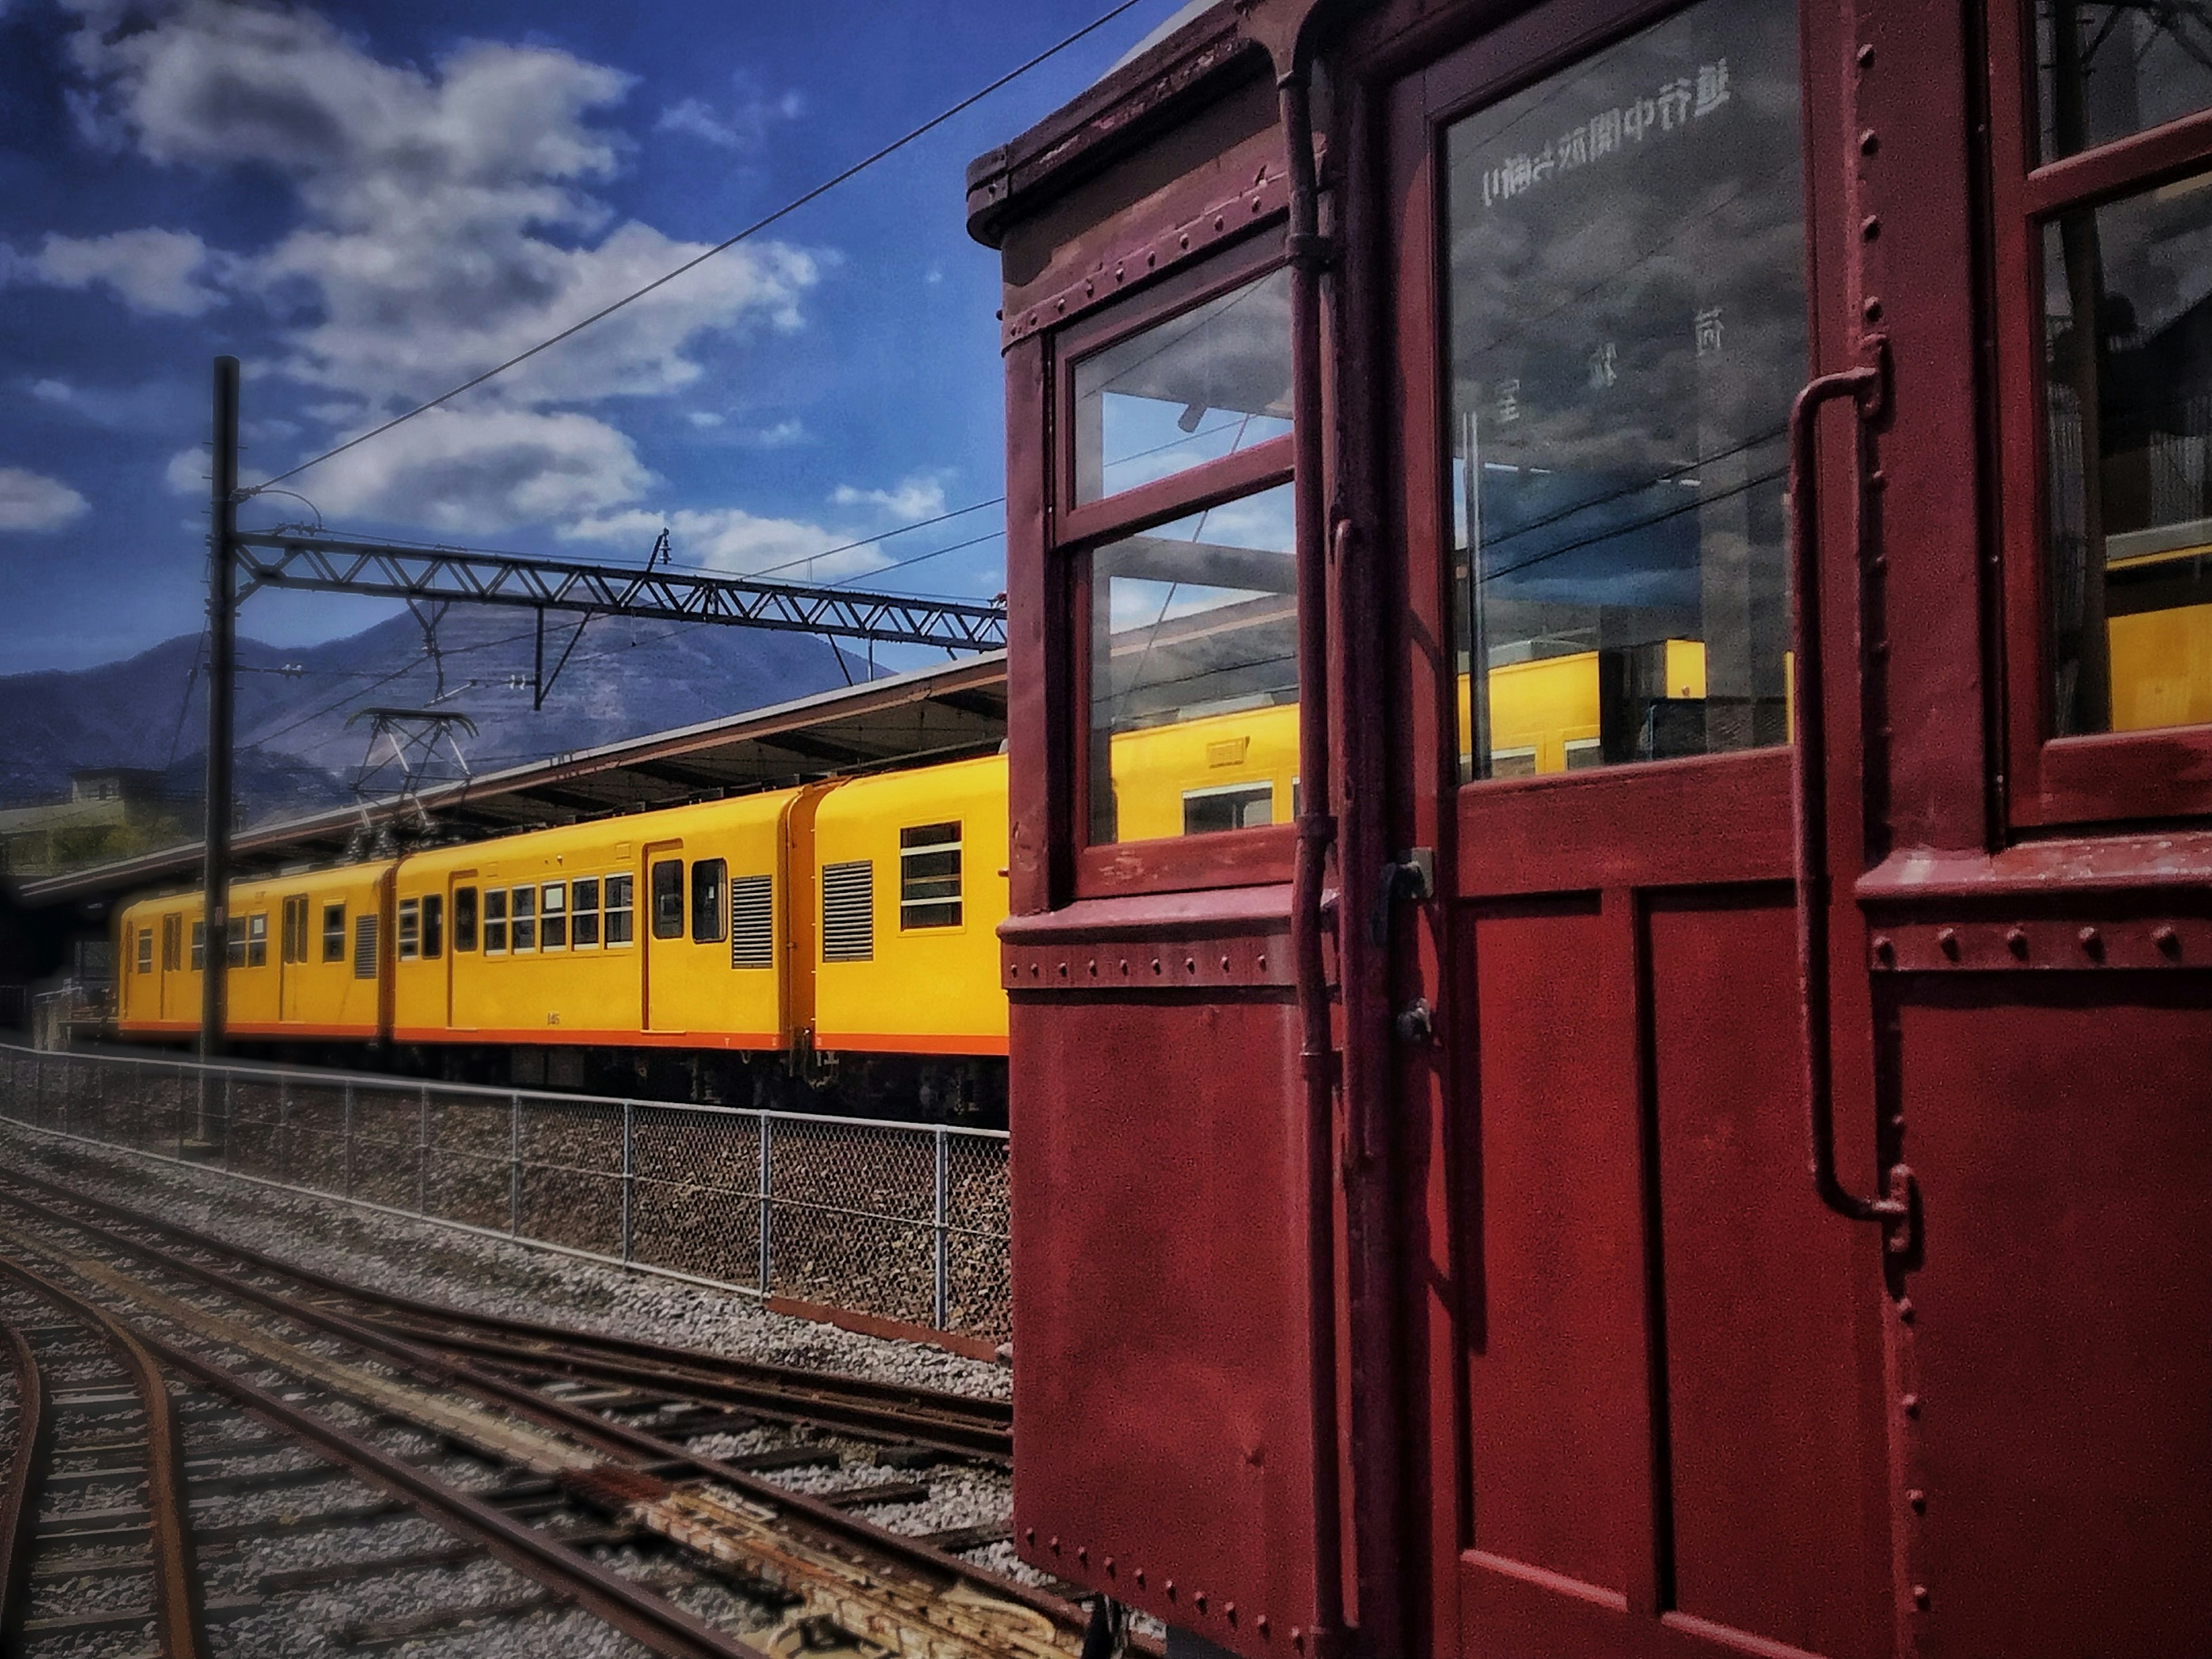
(364, 947)
(848, 912)
(752, 922)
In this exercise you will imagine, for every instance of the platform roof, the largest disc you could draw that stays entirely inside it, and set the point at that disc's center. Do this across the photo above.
(933, 713)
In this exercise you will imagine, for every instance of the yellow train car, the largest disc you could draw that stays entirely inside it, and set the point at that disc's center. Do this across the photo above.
(2161, 668)
(306, 959)
(911, 875)
(1235, 771)
(673, 929)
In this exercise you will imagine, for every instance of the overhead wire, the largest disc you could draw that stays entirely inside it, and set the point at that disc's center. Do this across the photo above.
(751, 230)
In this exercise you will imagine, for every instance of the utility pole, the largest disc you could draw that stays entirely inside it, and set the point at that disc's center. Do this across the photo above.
(222, 632)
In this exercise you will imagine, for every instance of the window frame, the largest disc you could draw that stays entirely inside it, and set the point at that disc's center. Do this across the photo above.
(433, 926)
(464, 919)
(552, 915)
(197, 954)
(680, 918)
(713, 917)
(2093, 777)
(143, 951)
(520, 897)
(1168, 864)
(627, 910)
(494, 897)
(957, 846)
(580, 913)
(407, 936)
(335, 938)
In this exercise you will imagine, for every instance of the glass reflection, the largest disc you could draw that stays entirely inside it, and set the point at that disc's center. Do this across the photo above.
(2130, 489)
(2104, 71)
(1194, 673)
(1626, 319)
(1203, 384)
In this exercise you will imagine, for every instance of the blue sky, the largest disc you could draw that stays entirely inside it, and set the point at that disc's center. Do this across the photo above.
(367, 203)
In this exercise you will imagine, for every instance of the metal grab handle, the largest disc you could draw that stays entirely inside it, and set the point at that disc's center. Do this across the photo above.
(1868, 387)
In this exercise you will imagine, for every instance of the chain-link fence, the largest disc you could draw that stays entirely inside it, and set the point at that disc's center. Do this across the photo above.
(903, 1221)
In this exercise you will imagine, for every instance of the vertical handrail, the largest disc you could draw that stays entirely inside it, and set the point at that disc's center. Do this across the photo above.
(628, 1178)
(766, 1219)
(940, 1241)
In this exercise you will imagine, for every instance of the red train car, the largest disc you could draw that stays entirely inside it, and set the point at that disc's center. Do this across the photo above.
(1733, 1176)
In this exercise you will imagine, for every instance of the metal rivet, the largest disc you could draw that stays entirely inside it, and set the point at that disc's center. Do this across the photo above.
(1199, 1600)
(1083, 1553)
(2167, 939)
(1905, 1309)
(1229, 1611)
(1883, 949)
(1155, 964)
(1870, 227)
(2091, 942)
(1029, 1534)
(1151, 259)
(1094, 970)
(1220, 222)
(1117, 273)
(1260, 1624)
(1125, 967)
(1140, 1577)
(2016, 942)
(1190, 964)
(1256, 204)
(1909, 1405)
(1871, 310)
(1063, 971)
(1919, 1500)
(1948, 942)
(1224, 964)
(1920, 1597)
(1109, 1566)
(1054, 1544)
(1090, 288)
(1061, 304)
(1869, 142)
(1866, 57)
(1263, 965)
(1298, 1638)
(1170, 1589)
(1186, 241)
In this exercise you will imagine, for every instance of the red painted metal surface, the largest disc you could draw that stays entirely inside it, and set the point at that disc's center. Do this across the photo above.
(1618, 1378)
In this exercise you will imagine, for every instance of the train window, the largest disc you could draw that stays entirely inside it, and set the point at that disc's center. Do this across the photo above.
(668, 899)
(145, 950)
(522, 918)
(257, 940)
(199, 946)
(1202, 385)
(234, 937)
(364, 946)
(2128, 428)
(495, 918)
(752, 922)
(553, 916)
(172, 941)
(1193, 619)
(619, 910)
(708, 921)
(1228, 806)
(433, 926)
(1626, 306)
(2119, 70)
(334, 933)
(584, 912)
(464, 918)
(411, 929)
(848, 911)
(929, 876)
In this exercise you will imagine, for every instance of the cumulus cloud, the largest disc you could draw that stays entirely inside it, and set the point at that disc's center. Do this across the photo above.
(31, 500)
(734, 540)
(449, 220)
(161, 272)
(745, 126)
(917, 497)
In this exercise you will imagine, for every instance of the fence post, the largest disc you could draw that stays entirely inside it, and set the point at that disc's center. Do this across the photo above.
(943, 1242)
(345, 1141)
(766, 1222)
(514, 1162)
(629, 1179)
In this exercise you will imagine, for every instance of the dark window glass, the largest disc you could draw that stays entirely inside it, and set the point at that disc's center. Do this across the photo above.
(584, 912)
(172, 940)
(464, 918)
(1203, 384)
(1230, 806)
(929, 876)
(668, 899)
(495, 918)
(411, 929)
(522, 928)
(257, 940)
(2130, 508)
(145, 952)
(1625, 299)
(433, 925)
(619, 913)
(1189, 620)
(234, 942)
(2104, 71)
(199, 946)
(334, 933)
(553, 916)
(708, 921)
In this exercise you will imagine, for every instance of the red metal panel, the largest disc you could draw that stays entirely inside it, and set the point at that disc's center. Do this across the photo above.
(1159, 1332)
(2061, 1388)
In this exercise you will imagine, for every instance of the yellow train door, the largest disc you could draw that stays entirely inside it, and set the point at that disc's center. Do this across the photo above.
(461, 941)
(663, 934)
(292, 960)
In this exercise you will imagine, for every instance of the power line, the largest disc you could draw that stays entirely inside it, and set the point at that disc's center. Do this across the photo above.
(752, 229)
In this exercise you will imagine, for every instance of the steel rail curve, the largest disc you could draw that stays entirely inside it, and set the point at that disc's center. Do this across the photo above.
(948, 1422)
(19, 1500)
(177, 1595)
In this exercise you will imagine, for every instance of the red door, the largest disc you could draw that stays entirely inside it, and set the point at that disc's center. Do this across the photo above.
(1663, 1431)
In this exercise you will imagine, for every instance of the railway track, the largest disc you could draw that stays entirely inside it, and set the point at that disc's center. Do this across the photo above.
(562, 1464)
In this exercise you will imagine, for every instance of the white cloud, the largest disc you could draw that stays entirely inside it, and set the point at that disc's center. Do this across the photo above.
(781, 435)
(164, 272)
(917, 497)
(705, 419)
(746, 125)
(734, 540)
(476, 471)
(52, 391)
(187, 471)
(30, 500)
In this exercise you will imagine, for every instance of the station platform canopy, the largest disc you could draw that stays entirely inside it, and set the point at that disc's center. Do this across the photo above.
(931, 714)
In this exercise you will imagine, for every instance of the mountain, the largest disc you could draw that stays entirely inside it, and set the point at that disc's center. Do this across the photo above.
(296, 750)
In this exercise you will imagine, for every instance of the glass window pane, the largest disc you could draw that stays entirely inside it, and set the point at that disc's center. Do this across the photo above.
(619, 910)
(1626, 317)
(2130, 507)
(464, 919)
(2104, 71)
(707, 919)
(1193, 628)
(668, 899)
(1203, 384)
(433, 925)
(584, 919)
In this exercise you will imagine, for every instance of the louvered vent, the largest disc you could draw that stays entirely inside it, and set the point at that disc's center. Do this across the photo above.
(752, 922)
(364, 947)
(848, 912)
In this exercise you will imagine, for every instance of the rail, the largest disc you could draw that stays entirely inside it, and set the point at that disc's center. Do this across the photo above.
(899, 1221)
